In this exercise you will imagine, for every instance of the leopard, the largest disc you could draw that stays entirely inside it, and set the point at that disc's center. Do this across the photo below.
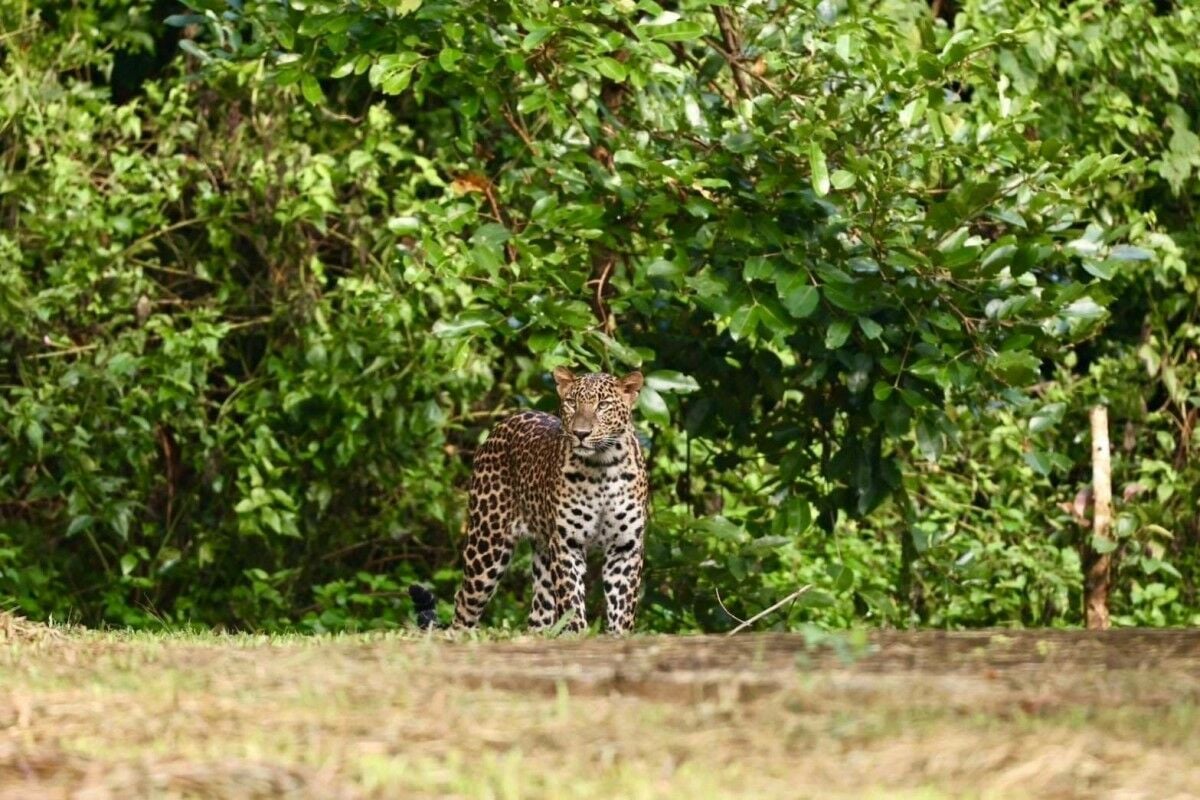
(573, 483)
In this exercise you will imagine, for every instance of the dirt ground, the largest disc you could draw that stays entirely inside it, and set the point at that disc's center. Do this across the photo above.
(892, 714)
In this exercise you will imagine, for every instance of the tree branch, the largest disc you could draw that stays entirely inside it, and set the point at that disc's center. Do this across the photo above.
(733, 49)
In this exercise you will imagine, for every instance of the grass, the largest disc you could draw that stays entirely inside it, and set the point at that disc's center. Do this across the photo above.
(108, 714)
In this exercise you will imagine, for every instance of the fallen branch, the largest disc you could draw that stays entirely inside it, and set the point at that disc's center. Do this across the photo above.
(729, 613)
(763, 613)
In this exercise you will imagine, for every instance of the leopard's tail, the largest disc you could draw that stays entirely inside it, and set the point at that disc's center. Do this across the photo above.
(425, 605)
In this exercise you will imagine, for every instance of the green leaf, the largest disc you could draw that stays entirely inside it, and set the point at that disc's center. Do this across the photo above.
(666, 380)
(1047, 417)
(449, 57)
(870, 328)
(611, 68)
(842, 179)
(837, 333)
(393, 71)
(743, 321)
(80, 523)
(192, 49)
(661, 268)
(1044, 463)
(396, 82)
(799, 297)
(345, 68)
(758, 268)
(311, 89)
(34, 434)
(403, 225)
(929, 439)
(1016, 367)
(683, 31)
(463, 323)
(820, 171)
(653, 407)
(535, 37)
(122, 364)
(128, 563)
(1128, 252)
(1102, 544)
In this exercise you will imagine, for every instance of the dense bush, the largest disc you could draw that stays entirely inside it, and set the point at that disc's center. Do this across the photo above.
(264, 290)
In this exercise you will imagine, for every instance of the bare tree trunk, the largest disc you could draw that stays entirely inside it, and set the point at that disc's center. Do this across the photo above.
(1096, 580)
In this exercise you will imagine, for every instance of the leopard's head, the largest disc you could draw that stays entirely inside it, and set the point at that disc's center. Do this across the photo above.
(597, 409)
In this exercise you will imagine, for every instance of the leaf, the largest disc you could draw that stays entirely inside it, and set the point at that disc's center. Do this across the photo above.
(837, 333)
(396, 82)
(122, 364)
(393, 71)
(1047, 417)
(870, 328)
(311, 89)
(128, 563)
(464, 323)
(535, 37)
(743, 321)
(662, 268)
(912, 111)
(34, 434)
(929, 439)
(183, 20)
(611, 68)
(403, 225)
(1016, 367)
(80, 523)
(842, 179)
(1102, 544)
(653, 407)
(676, 32)
(192, 49)
(820, 171)
(1128, 252)
(758, 268)
(666, 380)
(345, 68)
(449, 57)
(798, 295)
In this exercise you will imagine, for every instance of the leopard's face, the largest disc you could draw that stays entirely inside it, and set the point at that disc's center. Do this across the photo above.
(596, 409)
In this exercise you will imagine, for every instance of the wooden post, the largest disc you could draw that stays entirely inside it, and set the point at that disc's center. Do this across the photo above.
(1096, 580)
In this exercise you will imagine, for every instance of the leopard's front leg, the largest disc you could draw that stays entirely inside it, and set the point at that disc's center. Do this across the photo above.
(568, 567)
(622, 575)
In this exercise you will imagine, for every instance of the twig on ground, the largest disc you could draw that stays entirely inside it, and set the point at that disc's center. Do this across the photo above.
(764, 612)
(721, 603)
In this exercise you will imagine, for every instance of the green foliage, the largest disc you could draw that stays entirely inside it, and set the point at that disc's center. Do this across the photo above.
(261, 312)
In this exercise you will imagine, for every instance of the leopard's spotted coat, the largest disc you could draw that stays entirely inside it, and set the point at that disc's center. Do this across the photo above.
(571, 484)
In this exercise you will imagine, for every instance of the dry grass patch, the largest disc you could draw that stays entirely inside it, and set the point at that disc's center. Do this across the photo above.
(105, 715)
(15, 629)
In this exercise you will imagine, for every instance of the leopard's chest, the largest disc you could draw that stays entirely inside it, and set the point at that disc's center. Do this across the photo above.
(600, 502)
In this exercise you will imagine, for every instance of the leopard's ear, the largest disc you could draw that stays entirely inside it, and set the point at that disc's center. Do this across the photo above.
(630, 385)
(563, 378)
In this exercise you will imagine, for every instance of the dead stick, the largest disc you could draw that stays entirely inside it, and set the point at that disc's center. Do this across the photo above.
(1099, 570)
(763, 613)
(721, 603)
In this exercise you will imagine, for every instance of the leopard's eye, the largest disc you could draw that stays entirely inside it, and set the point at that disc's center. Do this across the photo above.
(603, 405)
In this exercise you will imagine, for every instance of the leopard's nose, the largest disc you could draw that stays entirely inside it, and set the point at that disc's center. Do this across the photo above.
(581, 434)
